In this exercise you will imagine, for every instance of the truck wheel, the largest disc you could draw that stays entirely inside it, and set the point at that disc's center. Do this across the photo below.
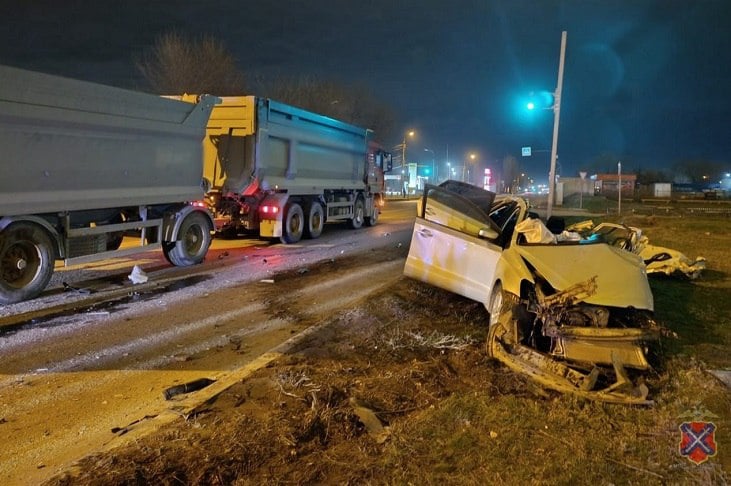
(293, 224)
(373, 219)
(192, 245)
(27, 256)
(358, 213)
(315, 221)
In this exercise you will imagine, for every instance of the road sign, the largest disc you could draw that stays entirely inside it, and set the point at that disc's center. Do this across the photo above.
(526, 151)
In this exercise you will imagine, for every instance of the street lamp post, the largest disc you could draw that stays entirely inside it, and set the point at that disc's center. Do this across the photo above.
(619, 188)
(433, 161)
(464, 167)
(556, 113)
(410, 133)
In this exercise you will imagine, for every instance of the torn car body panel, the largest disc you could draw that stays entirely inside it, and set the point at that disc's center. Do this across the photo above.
(621, 278)
(658, 259)
(672, 262)
(574, 316)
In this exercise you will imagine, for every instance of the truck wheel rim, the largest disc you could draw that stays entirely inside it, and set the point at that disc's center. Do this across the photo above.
(20, 264)
(193, 240)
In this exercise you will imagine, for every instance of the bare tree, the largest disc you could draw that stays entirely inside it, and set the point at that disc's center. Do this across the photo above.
(353, 104)
(698, 170)
(176, 64)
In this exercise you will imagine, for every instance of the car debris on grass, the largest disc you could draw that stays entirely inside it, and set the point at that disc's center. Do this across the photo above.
(657, 259)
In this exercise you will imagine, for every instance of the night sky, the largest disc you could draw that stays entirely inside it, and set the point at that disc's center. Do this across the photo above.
(645, 80)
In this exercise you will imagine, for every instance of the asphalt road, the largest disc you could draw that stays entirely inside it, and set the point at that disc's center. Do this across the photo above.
(84, 366)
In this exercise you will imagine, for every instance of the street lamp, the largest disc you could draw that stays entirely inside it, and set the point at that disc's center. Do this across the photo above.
(410, 133)
(433, 160)
(464, 167)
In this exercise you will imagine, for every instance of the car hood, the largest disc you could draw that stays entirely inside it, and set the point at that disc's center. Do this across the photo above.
(621, 277)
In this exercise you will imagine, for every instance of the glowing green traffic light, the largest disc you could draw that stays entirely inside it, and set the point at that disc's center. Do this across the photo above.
(530, 105)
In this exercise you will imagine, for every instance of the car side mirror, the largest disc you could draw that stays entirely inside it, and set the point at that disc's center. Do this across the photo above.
(488, 233)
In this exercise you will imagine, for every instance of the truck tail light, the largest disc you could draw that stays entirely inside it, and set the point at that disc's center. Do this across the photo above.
(269, 210)
(198, 204)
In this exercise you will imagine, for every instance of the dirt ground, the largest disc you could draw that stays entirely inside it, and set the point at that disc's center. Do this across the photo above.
(399, 390)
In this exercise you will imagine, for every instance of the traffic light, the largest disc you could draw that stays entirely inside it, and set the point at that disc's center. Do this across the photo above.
(542, 100)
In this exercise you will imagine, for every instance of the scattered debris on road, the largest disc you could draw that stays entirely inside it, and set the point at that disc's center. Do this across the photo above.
(187, 387)
(138, 276)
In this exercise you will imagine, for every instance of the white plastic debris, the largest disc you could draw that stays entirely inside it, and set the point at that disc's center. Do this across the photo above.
(138, 276)
(535, 231)
(568, 236)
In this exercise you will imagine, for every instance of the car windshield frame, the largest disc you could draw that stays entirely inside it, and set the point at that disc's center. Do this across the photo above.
(470, 202)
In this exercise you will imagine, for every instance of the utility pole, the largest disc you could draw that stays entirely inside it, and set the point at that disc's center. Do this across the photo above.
(619, 188)
(556, 114)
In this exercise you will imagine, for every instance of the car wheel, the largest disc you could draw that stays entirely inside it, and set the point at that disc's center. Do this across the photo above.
(502, 323)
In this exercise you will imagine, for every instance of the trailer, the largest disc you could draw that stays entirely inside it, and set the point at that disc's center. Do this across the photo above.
(278, 171)
(82, 165)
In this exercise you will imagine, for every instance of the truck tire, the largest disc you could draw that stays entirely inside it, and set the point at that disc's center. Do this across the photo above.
(315, 220)
(193, 241)
(293, 224)
(358, 213)
(373, 218)
(27, 256)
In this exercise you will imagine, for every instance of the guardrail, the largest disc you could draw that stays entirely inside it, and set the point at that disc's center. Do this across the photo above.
(678, 210)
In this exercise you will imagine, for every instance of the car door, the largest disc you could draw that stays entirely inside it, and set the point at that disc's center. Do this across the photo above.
(446, 248)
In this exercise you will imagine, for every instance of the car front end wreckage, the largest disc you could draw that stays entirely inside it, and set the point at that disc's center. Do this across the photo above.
(558, 340)
(582, 322)
(575, 314)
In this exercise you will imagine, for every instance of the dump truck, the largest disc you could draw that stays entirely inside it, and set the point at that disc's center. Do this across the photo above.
(281, 172)
(83, 164)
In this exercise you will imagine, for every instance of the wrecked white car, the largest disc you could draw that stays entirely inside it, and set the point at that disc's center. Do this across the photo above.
(576, 315)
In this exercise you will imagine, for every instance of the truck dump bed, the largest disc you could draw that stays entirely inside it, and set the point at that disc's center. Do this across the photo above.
(256, 142)
(68, 145)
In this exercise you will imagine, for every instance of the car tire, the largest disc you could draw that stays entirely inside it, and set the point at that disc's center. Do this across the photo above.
(502, 322)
